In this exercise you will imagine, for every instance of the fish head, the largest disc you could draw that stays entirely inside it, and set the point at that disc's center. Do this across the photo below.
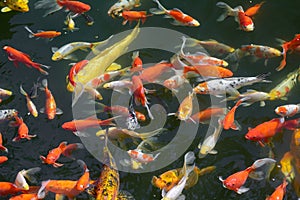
(57, 56)
(253, 135)
(201, 89)
(194, 23)
(246, 23)
(204, 150)
(169, 83)
(166, 180)
(281, 110)
(274, 53)
(19, 5)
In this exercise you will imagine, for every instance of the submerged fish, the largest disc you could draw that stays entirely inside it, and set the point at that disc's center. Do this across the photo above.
(116, 9)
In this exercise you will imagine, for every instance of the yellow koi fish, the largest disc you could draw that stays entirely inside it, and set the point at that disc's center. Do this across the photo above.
(16, 5)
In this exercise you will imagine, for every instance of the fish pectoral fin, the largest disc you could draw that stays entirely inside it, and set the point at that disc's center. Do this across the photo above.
(262, 103)
(71, 57)
(80, 134)
(6, 9)
(59, 111)
(42, 110)
(213, 151)
(56, 165)
(167, 16)
(242, 190)
(84, 49)
(181, 197)
(54, 49)
(157, 11)
(177, 23)
(236, 126)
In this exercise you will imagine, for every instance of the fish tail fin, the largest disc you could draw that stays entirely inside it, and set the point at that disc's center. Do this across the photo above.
(135, 55)
(78, 91)
(22, 91)
(83, 165)
(151, 134)
(95, 45)
(43, 159)
(228, 11)
(68, 150)
(45, 83)
(42, 191)
(262, 77)
(191, 42)
(29, 174)
(52, 6)
(260, 162)
(158, 11)
(149, 112)
(31, 34)
(63, 145)
(3, 148)
(283, 61)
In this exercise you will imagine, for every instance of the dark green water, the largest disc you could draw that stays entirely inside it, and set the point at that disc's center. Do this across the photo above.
(276, 19)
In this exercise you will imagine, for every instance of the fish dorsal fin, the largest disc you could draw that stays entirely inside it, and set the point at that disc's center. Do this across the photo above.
(178, 10)
(6, 9)
(39, 31)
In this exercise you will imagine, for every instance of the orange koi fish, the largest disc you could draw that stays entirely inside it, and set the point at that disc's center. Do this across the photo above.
(228, 121)
(26, 197)
(22, 130)
(141, 157)
(75, 69)
(254, 9)
(150, 74)
(288, 110)
(137, 63)
(43, 34)
(286, 46)
(138, 91)
(279, 192)
(30, 105)
(180, 19)
(236, 181)
(244, 21)
(208, 70)
(134, 16)
(50, 108)
(205, 115)
(17, 56)
(263, 132)
(2, 148)
(67, 188)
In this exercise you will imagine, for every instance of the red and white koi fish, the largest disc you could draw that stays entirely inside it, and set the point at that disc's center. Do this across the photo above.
(43, 34)
(30, 105)
(22, 129)
(236, 181)
(288, 110)
(180, 19)
(17, 56)
(50, 108)
(141, 157)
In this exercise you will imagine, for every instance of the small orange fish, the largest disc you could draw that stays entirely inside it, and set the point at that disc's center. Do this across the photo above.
(54, 154)
(17, 56)
(208, 70)
(254, 9)
(43, 34)
(134, 16)
(137, 63)
(26, 197)
(205, 115)
(3, 148)
(7, 188)
(279, 192)
(228, 121)
(22, 130)
(76, 7)
(236, 181)
(50, 108)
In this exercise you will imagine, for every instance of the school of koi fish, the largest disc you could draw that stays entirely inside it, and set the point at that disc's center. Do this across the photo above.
(210, 67)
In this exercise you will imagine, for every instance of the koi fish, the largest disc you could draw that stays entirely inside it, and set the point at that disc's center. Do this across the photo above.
(180, 19)
(263, 132)
(16, 5)
(27, 197)
(228, 85)
(288, 110)
(208, 71)
(75, 69)
(285, 86)
(286, 164)
(138, 91)
(286, 46)
(131, 120)
(236, 181)
(205, 115)
(118, 86)
(7, 114)
(75, 7)
(210, 141)
(137, 63)
(50, 108)
(70, 23)
(150, 74)
(2, 148)
(17, 56)
(91, 122)
(185, 109)
(117, 8)
(244, 21)
(228, 121)
(174, 82)
(22, 129)
(4, 93)
(141, 157)
(43, 34)
(250, 97)
(65, 52)
(30, 105)
(67, 188)
(134, 16)
(212, 46)
(254, 9)
(279, 192)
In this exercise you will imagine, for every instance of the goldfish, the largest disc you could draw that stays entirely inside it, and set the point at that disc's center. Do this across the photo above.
(81, 124)
(205, 115)
(54, 154)
(75, 69)
(43, 34)
(65, 52)
(67, 188)
(150, 74)
(236, 181)
(75, 7)
(50, 108)
(30, 105)
(251, 96)
(23, 132)
(139, 156)
(17, 57)
(208, 70)
(285, 86)
(70, 23)
(228, 85)
(116, 9)
(279, 192)
(3, 148)
(210, 141)
(137, 63)
(106, 58)
(138, 91)
(263, 132)
(212, 46)
(286, 46)
(16, 5)
(7, 114)
(134, 15)
(244, 21)
(228, 121)
(33, 196)
(288, 110)
(180, 19)
(5, 93)
(254, 9)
